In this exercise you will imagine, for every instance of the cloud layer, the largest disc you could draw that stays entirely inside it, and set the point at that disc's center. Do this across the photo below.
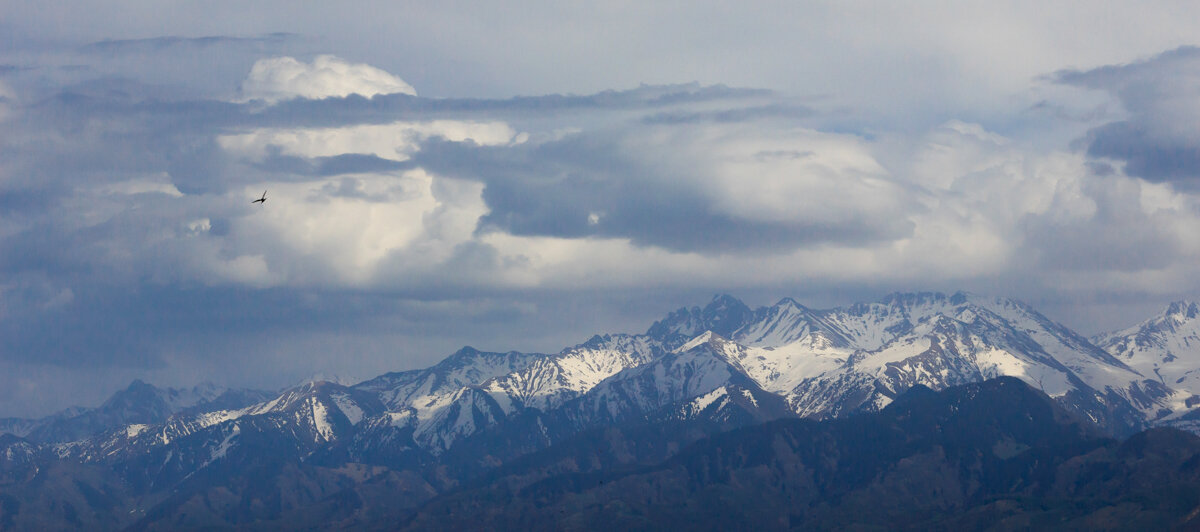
(399, 227)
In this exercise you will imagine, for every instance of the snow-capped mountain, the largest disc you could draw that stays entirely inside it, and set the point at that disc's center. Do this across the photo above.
(294, 424)
(692, 370)
(832, 362)
(1165, 347)
(723, 361)
(723, 315)
(700, 370)
(467, 367)
(824, 363)
(940, 341)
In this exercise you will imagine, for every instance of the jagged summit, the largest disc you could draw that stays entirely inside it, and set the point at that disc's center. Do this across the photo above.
(1183, 309)
(723, 315)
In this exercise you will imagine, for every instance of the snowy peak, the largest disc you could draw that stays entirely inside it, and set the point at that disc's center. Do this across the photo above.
(466, 367)
(318, 402)
(1183, 310)
(699, 367)
(787, 322)
(825, 360)
(553, 380)
(1165, 348)
(723, 315)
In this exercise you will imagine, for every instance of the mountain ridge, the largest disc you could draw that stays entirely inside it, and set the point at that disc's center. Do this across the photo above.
(824, 362)
(697, 372)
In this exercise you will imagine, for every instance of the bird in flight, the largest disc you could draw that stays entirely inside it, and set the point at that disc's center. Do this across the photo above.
(263, 199)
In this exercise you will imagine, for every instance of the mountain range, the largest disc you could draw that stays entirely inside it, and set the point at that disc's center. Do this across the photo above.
(393, 448)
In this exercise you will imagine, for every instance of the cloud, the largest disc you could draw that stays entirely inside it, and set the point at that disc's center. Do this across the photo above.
(395, 141)
(1159, 139)
(777, 111)
(282, 78)
(747, 186)
(7, 96)
(399, 227)
(158, 44)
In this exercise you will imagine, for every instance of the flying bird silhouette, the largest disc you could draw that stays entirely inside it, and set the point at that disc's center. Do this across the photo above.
(263, 199)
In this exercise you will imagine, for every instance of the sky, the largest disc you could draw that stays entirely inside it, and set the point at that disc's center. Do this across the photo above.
(523, 176)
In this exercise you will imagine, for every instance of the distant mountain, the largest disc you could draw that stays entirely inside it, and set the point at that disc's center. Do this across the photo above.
(139, 404)
(196, 458)
(1165, 348)
(19, 458)
(18, 426)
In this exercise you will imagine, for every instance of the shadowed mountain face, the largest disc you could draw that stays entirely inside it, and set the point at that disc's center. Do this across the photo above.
(995, 454)
(499, 425)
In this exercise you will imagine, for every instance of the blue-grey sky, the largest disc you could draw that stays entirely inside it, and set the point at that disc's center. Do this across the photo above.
(522, 176)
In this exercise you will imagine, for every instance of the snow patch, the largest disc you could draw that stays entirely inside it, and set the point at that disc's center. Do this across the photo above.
(348, 407)
(320, 418)
(223, 448)
(702, 402)
(750, 396)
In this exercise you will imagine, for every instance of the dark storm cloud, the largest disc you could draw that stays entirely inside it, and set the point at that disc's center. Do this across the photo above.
(588, 185)
(74, 139)
(114, 325)
(1160, 139)
(357, 163)
(162, 43)
(294, 168)
(1147, 153)
(97, 100)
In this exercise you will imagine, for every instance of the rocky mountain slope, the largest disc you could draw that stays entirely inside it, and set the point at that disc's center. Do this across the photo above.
(697, 372)
(996, 455)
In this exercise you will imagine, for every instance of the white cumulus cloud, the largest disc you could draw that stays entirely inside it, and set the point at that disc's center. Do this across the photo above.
(284, 78)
